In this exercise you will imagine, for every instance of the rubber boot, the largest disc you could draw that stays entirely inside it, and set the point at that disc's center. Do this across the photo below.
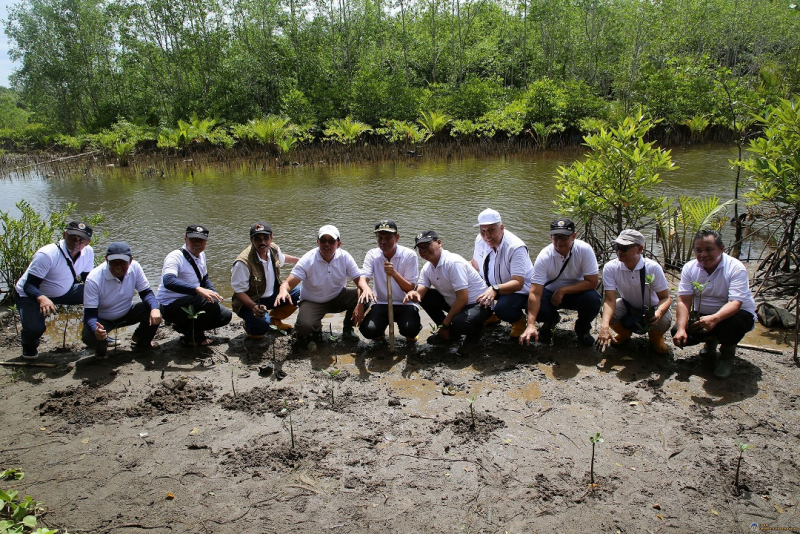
(657, 341)
(276, 314)
(518, 328)
(621, 334)
(709, 350)
(724, 367)
(493, 319)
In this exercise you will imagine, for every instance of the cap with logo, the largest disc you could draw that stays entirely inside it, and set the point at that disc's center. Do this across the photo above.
(425, 237)
(80, 229)
(119, 250)
(562, 227)
(260, 228)
(488, 216)
(386, 225)
(630, 237)
(197, 230)
(330, 230)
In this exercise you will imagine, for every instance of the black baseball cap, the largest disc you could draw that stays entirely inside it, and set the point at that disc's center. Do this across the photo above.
(562, 227)
(425, 237)
(386, 225)
(197, 230)
(119, 250)
(80, 229)
(260, 228)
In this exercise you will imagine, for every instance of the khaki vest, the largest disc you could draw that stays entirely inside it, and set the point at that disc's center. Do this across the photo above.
(258, 280)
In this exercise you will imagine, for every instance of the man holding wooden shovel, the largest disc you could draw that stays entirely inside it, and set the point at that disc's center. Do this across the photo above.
(394, 270)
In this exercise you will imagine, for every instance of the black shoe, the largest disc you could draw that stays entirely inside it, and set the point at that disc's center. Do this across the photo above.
(349, 334)
(584, 338)
(436, 339)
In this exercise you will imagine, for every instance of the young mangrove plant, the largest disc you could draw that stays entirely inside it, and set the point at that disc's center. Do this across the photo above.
(742, 447)
(192, 315)
(594, 440)
(472, 410)
(648, 310)
(288, 412)
(332, 377)
(275, 333)
(694, 313)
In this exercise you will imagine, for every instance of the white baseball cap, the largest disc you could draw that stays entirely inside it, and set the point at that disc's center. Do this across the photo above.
(488, 216)
(330, 230)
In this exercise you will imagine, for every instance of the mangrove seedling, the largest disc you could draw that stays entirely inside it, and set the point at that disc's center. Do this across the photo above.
(472, 410)
(288, 412)
(275, 332)
(12, 474)
(742, 447)
(649, 311)
(694, 313)
(597, 438)
(192, 315)
(332, 376)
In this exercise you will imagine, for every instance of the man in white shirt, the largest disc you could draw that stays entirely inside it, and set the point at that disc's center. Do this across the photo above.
(715, 305)
(502, 259)
(565, 275)
(256, 279)
(324, 272)
(54, 276)
(644, 301)
(448, 289)
(389, 259)
(185, 284)
(108, 301)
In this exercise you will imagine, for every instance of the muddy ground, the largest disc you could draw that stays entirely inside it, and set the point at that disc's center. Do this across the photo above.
(178, 440)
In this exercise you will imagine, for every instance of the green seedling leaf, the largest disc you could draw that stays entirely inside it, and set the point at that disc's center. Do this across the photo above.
(29, 521)
(12, 474)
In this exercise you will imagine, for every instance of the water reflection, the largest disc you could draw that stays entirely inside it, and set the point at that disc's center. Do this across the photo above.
(151, 212)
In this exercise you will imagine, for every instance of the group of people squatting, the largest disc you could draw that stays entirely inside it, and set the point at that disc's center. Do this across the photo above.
(500, 283)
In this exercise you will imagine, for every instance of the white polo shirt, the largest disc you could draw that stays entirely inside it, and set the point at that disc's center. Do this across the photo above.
(323, 281)
(113, 298)
(549, 262)
(728, 282)
(240, 274)
(617, 277)
(404, 262)
(175, 263)
(453, 273)
(50, 265)
(510, 259)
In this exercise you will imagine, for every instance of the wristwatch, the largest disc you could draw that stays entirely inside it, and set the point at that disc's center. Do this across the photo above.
(496, 288)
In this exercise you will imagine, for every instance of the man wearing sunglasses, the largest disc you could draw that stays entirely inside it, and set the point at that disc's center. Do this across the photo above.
(565, 275)
(324, 272)
(644, 300)
(256, 280)
(55, 276)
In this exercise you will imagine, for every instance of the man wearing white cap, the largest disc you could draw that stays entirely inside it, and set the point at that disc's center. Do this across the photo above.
(108, 301)
(502, 259)
(54, 276)
(389, 259)
(324, 272)
(185, 286)
(565, 275)
(644, 300)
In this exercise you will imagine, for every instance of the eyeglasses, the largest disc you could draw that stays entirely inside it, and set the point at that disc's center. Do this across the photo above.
(623, 248)
(328, 241)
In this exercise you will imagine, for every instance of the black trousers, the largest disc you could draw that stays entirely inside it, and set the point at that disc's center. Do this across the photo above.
(214, 315)
(377, 319)
(729, 331)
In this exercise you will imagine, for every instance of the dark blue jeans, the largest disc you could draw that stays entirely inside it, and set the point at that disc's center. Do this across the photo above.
(587, 304)
(138, 314)
(511, 308)
(33, 325)
(468, 322)
(258, 326)
(377, 319)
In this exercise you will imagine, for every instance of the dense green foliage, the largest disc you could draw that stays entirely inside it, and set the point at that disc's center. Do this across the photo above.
(492, 68)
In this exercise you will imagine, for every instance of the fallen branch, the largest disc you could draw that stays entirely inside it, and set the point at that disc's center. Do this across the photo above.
(57, 160)
(762, 349)
(27, 364)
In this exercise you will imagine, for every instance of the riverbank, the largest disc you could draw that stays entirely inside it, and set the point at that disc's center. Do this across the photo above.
(183, 441)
